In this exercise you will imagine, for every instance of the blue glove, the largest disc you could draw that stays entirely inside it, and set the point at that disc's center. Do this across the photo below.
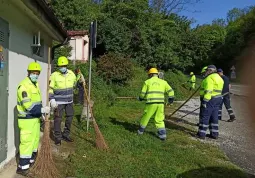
(170, 100)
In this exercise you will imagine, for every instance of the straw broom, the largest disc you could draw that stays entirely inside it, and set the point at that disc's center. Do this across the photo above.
(44, 166)
(100, 142)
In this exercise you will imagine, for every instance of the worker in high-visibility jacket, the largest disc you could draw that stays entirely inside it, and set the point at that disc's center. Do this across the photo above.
(30, 110)
(211, 98)
(80, 82)
(226, 97)
(201, 92)
(153, 92)
(192, 81)
(62, 83)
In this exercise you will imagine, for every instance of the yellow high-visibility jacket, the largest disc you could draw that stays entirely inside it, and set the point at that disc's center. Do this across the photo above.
(62, 87)
(154, 90)
(212, 87)
(29, 102)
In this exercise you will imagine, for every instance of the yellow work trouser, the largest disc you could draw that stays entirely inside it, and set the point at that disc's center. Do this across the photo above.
(156, 110)
(29, 141)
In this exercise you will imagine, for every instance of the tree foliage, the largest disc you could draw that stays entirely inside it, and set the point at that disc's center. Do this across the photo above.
(152, 34)
(114, 68)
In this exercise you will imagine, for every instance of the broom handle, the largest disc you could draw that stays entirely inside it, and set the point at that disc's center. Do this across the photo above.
(185, 101)
(190, 112)
(86, 95)
(126, 97)
(48, 82)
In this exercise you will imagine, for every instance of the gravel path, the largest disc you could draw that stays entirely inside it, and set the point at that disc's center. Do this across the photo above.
(236, 139)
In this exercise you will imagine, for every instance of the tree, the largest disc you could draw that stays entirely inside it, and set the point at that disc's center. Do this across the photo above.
(172, 6)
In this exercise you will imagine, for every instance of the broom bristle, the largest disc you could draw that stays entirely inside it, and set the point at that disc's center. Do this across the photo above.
(45, 166)
(100, 142)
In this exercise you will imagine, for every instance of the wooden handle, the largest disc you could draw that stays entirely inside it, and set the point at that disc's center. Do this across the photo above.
(185, 102)
(48, 81)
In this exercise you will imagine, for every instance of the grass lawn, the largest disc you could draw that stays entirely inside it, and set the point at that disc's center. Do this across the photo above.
(131, 155)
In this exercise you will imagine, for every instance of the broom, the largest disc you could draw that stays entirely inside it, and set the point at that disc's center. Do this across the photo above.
(45, 166)
(100, 142)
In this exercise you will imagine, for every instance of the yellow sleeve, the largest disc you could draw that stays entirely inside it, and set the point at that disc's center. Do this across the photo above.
(24, 97)
(52, 86)
(169, 91)
(144, 91)
(208, 89)
(74, 79)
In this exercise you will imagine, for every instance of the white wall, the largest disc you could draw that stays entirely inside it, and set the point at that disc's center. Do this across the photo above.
(79, 50)
(22, 28)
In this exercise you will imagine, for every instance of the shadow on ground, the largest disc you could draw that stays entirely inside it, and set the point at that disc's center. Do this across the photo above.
(214, 172)
(188, 111)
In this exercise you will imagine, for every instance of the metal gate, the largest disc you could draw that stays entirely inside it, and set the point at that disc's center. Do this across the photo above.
(4, 45)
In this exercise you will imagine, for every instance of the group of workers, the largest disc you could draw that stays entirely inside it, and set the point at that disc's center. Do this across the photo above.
(214, 92)
(30, 109)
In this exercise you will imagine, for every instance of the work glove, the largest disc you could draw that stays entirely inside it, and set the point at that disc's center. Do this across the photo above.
(45, 110)
(204, 104)
(170, 100)
(53, 103)
(139, 99)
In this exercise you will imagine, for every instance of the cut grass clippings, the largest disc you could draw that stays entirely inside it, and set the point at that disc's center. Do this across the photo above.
(132, 155)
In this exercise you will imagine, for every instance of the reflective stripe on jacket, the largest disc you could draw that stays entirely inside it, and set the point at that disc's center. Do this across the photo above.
(61, 86)
(154, 90)
(212, 86)
(29, 102)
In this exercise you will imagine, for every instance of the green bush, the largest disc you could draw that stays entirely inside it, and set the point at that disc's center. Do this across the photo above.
(115, 69)
(100, 91)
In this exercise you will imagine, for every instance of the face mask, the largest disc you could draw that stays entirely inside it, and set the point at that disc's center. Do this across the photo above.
(62, 69)
(33, 77)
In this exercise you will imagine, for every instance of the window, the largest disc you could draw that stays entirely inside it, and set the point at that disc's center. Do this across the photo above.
(38, 50)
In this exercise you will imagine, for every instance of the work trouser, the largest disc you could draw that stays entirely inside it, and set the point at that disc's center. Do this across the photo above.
(192, 85)
(69, 111)
(81, 93)
(156, 110)
(226, 102)
(29, 141)
(209, 118)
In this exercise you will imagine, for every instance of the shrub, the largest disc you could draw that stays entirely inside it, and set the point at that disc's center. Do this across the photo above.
(115, 69)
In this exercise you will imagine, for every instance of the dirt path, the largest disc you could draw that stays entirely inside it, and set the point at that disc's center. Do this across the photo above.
(236, 139)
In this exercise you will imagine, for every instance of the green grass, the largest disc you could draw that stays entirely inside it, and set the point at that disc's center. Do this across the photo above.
(131, 155)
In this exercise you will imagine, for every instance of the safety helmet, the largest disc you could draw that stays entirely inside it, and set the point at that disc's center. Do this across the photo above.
(62, 61)
(34, 66)
(153, 71)
(191, 73)
(204, 69)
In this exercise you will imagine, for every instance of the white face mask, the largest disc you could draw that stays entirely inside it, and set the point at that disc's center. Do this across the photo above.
(33, 77)
(63, 69)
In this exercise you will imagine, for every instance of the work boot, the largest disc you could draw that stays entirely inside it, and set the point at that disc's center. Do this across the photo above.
(68, 139)
(57, 142)
(162, 139)
(212, 137)
(23, 172)
(199, 137)
(231, 120)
